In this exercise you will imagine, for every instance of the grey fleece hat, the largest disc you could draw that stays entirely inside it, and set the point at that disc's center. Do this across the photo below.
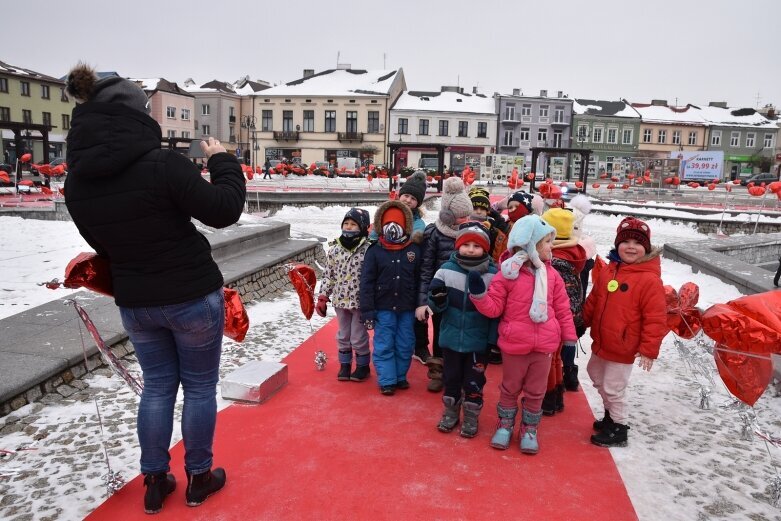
(120, 90)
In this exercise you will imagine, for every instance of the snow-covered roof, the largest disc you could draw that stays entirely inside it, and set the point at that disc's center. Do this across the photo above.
(616, 109)
(161, 84)
(19, 71)
(338, 82)
(730, 117)
(211, 87)
(446, 102)
(689, 114)
(146, 83)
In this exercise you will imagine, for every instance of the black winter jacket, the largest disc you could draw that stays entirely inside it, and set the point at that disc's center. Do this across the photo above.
(132, 202)
(389, 280)
(437, 248)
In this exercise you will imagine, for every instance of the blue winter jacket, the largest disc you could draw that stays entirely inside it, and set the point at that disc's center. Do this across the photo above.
(389, 280)
(463, 328)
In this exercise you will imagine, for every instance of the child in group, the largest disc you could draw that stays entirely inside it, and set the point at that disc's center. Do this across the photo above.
(389, 287)
(568, 259)
(465, 334)
(412, 193)
(340, 286)
(529, 296)
(439, 241)
(626, 311)
(518, 204)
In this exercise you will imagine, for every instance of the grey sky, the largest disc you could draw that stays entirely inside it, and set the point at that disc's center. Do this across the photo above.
(695, 51)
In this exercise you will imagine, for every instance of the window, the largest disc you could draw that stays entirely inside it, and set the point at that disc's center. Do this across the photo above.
(63, 95)
(612, 135)
(463, 128)
(526, 109)
(330, 121)
(5, 114)
(543, 111)
(676, 137)
(47, 118)
(542, 135)
(352, 121)
(170, 112)
(557, 138)
(186, 134)
(582, 133)
(373, 124)
(267, 121)
(662, 137)
(596, 136)
(205, 130)
(287, 120)
(403, 126)
(45, 91)
(768, 143)
(693, 137)
(647, 135)
(715, 138)
(27, 116)
(525, 131)
(186, 114)
(482, 129)
(627, 136)
(231, 134)
(25, 88)
(734, 139)
(205, 110)
(309, 121)
(508, 138)
(558, 115)
(171, 133)
(3, 84)
(443, 130)
(232, 112)
(423, 127)
(509, 112)
(751, 137)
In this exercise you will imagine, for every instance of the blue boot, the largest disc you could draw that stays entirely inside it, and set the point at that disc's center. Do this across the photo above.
(504, 428)
(529, 424)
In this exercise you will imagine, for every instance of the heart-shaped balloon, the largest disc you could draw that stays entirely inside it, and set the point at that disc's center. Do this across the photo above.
(746, 377)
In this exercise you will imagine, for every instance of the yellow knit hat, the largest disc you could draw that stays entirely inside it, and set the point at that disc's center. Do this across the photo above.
(561, 219)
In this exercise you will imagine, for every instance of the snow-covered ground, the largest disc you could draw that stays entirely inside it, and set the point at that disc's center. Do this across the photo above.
(682, 462)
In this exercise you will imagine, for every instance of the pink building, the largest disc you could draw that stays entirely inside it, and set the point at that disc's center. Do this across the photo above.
(172, 107)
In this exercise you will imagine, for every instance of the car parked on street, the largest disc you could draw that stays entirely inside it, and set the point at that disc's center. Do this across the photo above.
(758, 179)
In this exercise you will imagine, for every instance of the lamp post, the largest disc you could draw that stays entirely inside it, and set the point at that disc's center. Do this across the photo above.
(248, 122)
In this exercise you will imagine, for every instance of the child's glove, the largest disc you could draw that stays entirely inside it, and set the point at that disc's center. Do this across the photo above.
(439, 295)
(368, 324)
(476, 284)
(501, 204)
(322, 304)
(580, 330)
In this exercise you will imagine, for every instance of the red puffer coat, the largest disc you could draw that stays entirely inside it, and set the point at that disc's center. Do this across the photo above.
(632, 318)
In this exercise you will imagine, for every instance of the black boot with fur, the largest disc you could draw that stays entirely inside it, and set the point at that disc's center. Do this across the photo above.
(201, 486)
(571, 377)
(158, 486)
(549, 403)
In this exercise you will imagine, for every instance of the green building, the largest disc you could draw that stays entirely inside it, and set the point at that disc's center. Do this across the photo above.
(611, 129)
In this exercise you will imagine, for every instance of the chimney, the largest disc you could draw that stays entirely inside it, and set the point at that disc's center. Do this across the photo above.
(560, 94)
(544, 93)
(474, 89)
(516, 92)
(720, 104)
(449, 88)
(309, 72)
(659, 102)
(771, 112)
(343, 66)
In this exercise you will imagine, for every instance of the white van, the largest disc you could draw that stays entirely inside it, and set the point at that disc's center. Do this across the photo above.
(349, 163)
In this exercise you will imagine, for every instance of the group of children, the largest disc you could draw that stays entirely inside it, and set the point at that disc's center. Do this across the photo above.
(504, 291)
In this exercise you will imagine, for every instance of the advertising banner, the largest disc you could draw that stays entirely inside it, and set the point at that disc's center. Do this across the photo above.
(706, 164)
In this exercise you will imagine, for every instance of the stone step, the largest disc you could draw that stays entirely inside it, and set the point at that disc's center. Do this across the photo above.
(233, 241)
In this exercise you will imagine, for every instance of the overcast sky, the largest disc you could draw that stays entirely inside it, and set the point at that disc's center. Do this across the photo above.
(692, 51)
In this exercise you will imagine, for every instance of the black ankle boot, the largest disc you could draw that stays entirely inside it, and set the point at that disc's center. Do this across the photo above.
(360, 374)
(549, 403)
(201, 486)
(158, 486)
(344, 372)
(613, 435)
(600, 424)
(571, 377)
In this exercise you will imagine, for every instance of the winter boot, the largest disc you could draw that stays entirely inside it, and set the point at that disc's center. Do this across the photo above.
(201, 486)
(549, 403)
(504, 427)
(360, 374)
(450, 415)
(435, 368)
(344, 372)
(571, 377)
(158, 486)
(494, 356)
(529, 424)
(600, 424)
(421, 354)
(611, 435)
(471, 414)
(559, 391)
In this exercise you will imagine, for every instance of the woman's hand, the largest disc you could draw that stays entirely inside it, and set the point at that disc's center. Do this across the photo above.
(211, 147)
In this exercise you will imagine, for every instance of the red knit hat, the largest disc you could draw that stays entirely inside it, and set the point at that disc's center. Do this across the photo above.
(473, 231)
(394, 215)
(633, 228)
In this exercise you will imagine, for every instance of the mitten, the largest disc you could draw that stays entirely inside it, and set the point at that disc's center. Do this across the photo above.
(368, 324)
(476, 284)
(580, 331)
(439, 295)
(501, 204)
(322, 304)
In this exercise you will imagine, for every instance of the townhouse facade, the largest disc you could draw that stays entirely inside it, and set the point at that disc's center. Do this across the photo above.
(217, 114)
(322, 117)
(35, 114)
(665, 129)
(449, 126)
(171, 106)
(610, 129)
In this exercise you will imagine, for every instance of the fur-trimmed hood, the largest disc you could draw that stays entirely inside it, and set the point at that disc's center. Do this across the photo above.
(408, 218)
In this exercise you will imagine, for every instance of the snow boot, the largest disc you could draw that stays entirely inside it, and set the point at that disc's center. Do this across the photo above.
(494, 356)
(158, 486)
(471, 414)
(450, 415)
(549, 403)
(611, 435)
(504, 427)
(344, 372)
(600, 424)
(529, 424)
(571, 377)
(201, 486)
(388, 390)
(559, 391)
(360, 374)
(435, 368)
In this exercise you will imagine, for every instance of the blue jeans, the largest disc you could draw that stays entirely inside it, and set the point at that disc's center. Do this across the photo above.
(394, 342)
(177, 344)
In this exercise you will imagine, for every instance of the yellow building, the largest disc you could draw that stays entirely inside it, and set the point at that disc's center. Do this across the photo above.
(665, 129)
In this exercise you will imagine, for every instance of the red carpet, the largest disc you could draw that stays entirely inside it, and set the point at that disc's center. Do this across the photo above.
(323, 449)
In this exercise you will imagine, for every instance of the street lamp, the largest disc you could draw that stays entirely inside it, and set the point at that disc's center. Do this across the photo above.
(248, 122)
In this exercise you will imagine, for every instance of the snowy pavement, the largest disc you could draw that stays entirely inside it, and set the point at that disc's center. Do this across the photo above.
(682, 462)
